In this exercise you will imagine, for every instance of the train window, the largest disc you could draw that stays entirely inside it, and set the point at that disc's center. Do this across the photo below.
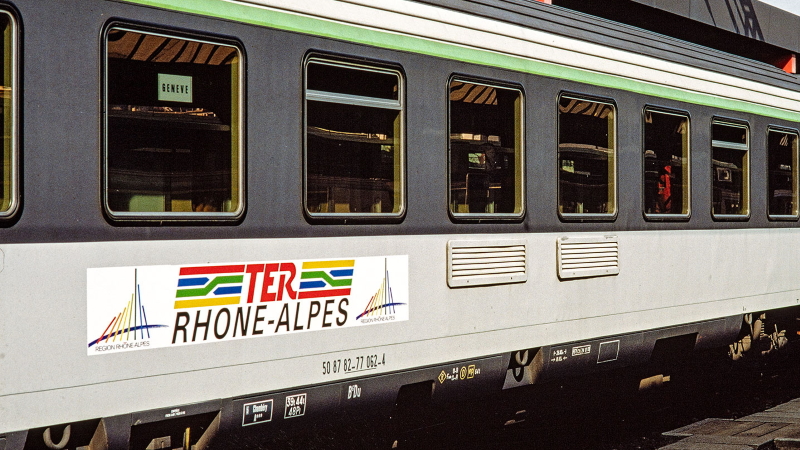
(730, 170)
(586, 158)
(485, 150)
(173, 139)
(666, 164)
(782, 177)
(353, 146)
(8, 90)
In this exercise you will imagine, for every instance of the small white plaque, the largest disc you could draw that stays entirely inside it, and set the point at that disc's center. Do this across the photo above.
(174, 88)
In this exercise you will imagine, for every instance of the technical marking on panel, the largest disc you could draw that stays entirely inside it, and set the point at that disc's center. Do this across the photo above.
(174, 412)
(558, 355)
(609, 351)
(353, 363)
(582, 350)
(353, 391)
(295, 406)
(134, 308)
(257, 412)
(459, 373)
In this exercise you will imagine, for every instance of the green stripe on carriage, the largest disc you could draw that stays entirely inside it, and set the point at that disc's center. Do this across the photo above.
(256, 15)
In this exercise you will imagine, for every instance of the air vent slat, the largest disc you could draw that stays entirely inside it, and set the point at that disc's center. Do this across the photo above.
(478, 263)
(519, 265)
(579, 261)
(492, 256)
(516, 259)
(578, 251)
(500, 248)
(588, 265)
(485, 271)
(590, 257)
(573, 244)
(581, 257)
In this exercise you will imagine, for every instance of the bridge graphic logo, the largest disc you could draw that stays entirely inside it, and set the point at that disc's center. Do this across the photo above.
(382, 304)
(129, 325)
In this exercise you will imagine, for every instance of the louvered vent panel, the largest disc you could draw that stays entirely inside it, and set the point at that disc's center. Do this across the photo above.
(588, 256)
(477, 263)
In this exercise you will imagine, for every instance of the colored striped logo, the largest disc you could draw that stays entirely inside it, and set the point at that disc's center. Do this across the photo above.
(209, 286)
(326, 278)
(129, 324)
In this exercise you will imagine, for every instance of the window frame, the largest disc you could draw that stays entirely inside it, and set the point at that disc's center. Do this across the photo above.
(14, 151)
(746, 180)
(795, 173)
(355, 100)
(582, 217)
(198, 218)
(682, 217)
(520, 160)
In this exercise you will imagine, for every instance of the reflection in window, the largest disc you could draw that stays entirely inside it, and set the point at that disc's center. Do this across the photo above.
(782, 148)
(586, 157)
(353, 139)
(730, 182)
(666, 163)
(485, 149)
(173, 117)
(8, 184)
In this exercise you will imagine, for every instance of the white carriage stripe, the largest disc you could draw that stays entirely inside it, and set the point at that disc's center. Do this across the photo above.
(461, 29)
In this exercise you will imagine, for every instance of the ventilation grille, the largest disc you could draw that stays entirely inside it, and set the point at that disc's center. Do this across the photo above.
(477, 263)
(588, 256)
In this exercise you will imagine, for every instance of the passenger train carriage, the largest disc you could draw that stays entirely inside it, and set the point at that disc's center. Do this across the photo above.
(224, 223)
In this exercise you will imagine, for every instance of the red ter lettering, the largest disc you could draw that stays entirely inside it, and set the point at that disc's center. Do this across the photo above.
(288, 267)
(268, 280)
(253, 269)
(279, 291)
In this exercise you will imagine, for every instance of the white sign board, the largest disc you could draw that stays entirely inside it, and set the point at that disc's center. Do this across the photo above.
(174, 88)
(134, 308)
